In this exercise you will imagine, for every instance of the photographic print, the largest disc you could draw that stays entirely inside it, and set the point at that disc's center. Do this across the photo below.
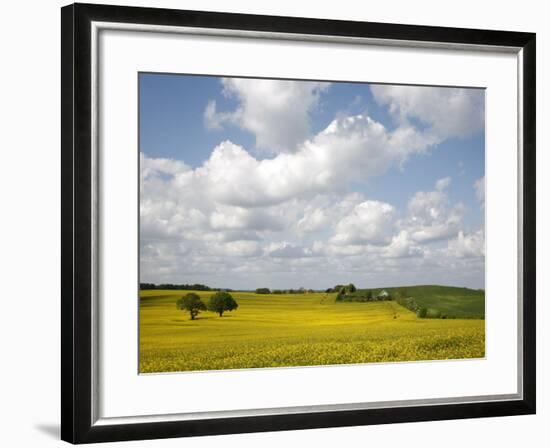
(288, 223)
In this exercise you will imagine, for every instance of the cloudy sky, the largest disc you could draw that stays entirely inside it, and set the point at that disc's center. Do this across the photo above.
(248, 183)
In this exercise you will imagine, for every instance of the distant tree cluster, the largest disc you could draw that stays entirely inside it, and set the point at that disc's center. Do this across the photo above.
(349, 293)
(219, 303)
(345, 289)
(183, 287)
(284, 291)
(263, 291)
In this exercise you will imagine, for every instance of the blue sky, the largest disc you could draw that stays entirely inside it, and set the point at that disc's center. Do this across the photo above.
(223, 201)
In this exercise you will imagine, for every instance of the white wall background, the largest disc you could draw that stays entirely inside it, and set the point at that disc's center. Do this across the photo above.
(30, 209)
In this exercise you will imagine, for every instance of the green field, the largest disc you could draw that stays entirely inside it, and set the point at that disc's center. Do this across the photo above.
(447, 300)
(452, 301)
(303, 330)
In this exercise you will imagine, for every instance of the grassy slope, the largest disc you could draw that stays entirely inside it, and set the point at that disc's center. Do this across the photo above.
(449, 300)
(295, 330)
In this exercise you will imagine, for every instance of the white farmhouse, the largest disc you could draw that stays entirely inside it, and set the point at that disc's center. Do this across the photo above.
(383, 295)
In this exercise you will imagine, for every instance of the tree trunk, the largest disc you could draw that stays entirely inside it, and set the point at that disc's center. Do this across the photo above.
(221, 312)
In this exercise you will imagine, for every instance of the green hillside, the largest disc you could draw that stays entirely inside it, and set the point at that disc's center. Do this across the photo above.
(447, 301)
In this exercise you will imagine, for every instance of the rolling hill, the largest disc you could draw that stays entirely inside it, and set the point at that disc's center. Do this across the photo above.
(448, 301)
(284, 330)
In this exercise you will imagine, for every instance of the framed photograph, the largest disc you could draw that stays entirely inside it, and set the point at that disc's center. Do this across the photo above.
(276, 223)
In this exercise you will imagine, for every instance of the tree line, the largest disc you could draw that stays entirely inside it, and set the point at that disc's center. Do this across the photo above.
(218, 302)
(283, 291)
(349, 293)
(362, 296)
(184, 287)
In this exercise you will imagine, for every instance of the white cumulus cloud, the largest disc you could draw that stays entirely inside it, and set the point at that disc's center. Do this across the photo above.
(275, 111)
(370, 222)
(349, 149)
(287, 250)
(294, 214)
(467, 245)
(237, 249)
(402, 246)
(431, 218)
(446, 112)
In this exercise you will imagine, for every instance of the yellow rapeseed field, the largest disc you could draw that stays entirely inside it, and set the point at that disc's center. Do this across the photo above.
(295, 330)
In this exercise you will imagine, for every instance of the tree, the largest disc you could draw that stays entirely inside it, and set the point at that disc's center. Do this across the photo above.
(369, 295)
(221, 302)
(263, 291)
(191, 302)
(351, 288)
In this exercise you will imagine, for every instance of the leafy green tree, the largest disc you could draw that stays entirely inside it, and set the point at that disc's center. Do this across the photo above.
(221, 302)
(351, 288)
(191, 302)
(369, 295)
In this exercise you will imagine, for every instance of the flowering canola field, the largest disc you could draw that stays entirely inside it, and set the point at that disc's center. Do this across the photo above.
(295, 330)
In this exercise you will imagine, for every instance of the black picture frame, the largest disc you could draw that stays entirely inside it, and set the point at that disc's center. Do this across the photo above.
(76, 219)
